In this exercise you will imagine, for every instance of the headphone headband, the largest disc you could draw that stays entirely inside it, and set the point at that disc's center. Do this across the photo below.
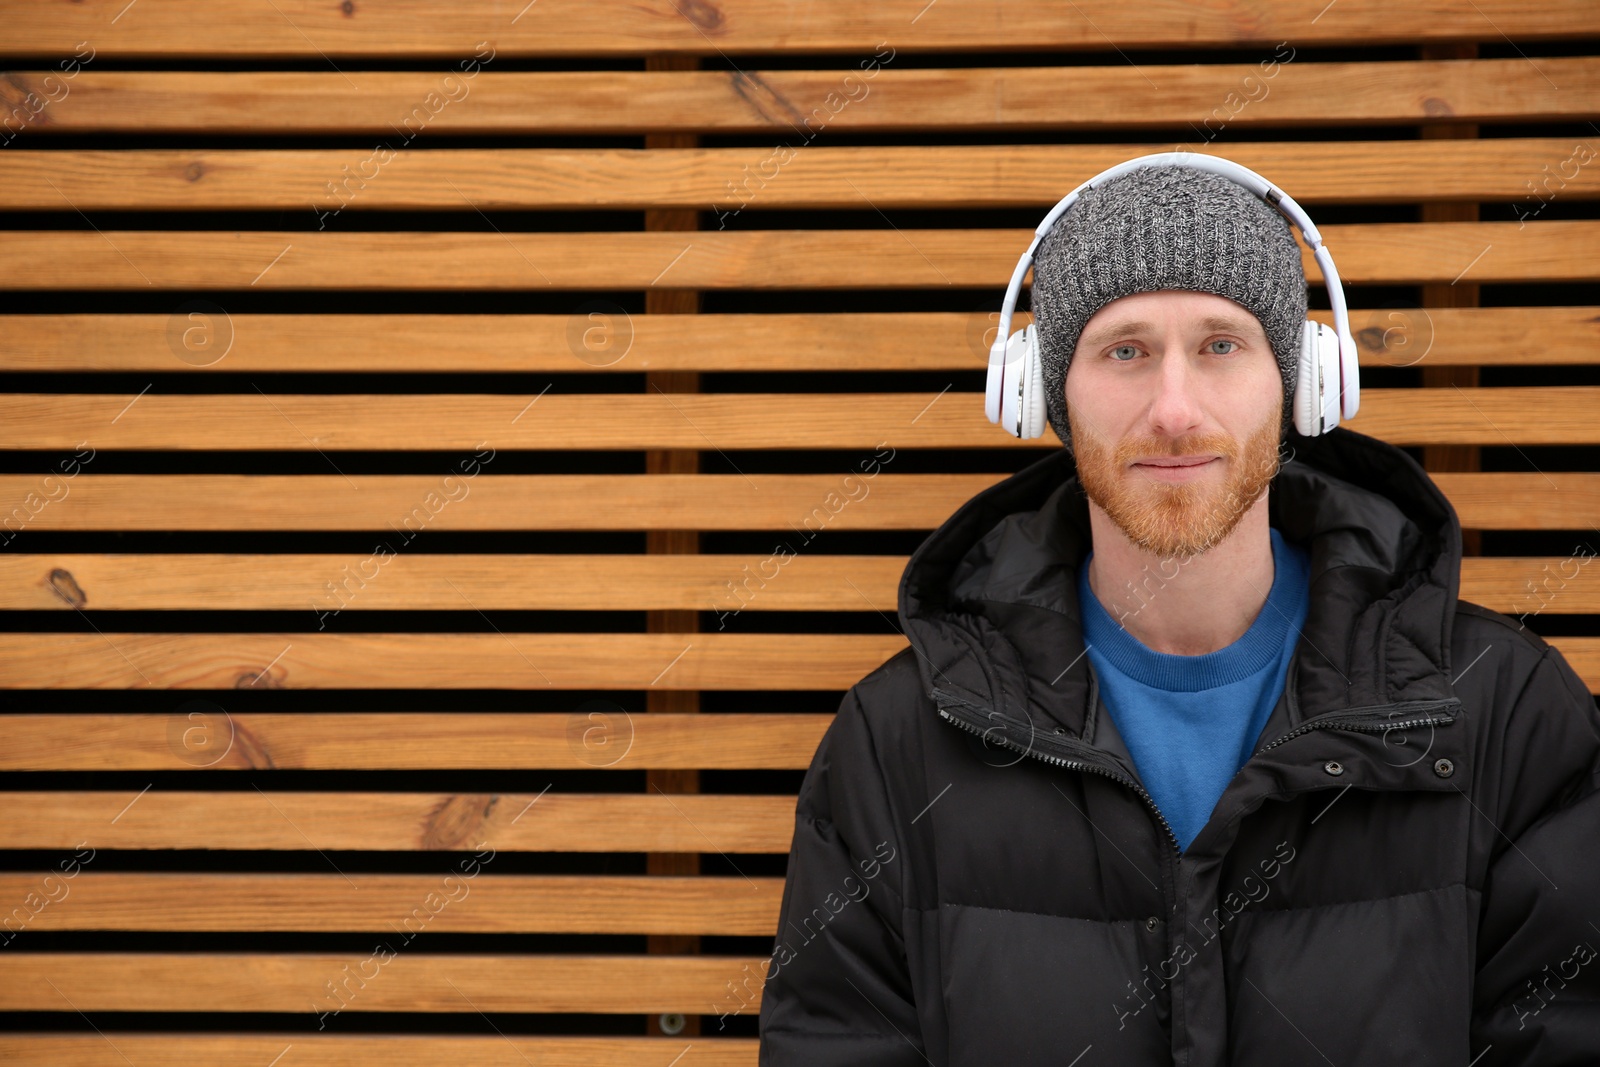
(1240, 175)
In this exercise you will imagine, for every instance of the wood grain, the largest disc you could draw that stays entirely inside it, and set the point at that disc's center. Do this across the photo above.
(403, 108)
(327, 182)
(44, 1049)
(305, 29)
(409, 982)
(594, 735)
(493, 660)
(1366, 254)
(607, 339)
(1559, 500)
(115, 660)
(870, 423)
(538, 821)
(724, 583)
(478, 901)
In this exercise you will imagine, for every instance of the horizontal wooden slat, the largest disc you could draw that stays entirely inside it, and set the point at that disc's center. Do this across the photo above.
(726, 584)
(35, 1049)
(1527, 586)
(724, 661)
(504, 502)
(399, 822)
(868, 341)
(330, 584)
(112, 660)
(1532, 415)
(404, 106)
(1366, 253)
(1490, 337)
(558, 582)
(410, 982)
(1534, 501)
(784, 502)
(1525, 415)
(491, 423)
(728, 180)
(472, 900)
(590, 737)
(309, 30)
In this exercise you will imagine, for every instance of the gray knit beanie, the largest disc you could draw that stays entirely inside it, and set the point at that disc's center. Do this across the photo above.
(1165, 227)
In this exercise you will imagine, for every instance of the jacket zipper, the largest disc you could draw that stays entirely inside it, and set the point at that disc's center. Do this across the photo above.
(1375, 718)
(1064, 761)
(1365, 719)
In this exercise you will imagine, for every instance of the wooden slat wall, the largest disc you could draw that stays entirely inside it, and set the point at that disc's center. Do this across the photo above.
(528, 292)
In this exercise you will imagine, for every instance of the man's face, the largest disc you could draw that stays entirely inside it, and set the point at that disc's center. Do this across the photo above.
(1174, 399)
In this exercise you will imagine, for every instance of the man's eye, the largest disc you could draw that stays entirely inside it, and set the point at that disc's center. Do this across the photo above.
(1132, 351)
(1220, 341)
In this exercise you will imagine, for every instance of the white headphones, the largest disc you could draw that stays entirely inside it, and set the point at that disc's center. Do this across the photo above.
(1328, 378)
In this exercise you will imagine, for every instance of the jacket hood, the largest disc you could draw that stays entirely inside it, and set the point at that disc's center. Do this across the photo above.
(989, 600)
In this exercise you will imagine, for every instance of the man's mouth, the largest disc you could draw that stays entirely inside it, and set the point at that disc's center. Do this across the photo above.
(1176, 461)
(1175, 467)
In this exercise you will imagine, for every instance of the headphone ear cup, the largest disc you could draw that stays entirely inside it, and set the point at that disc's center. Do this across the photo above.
(1350, 377)
(996, 380)
(1332, 398)
(1013, 376)
(1034, 411)
(1316, 394)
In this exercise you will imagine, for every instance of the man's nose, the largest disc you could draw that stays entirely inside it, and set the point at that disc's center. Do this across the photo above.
(1174, 409)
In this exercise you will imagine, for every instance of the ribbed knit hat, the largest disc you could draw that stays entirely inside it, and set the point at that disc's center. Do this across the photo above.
(1165, 227)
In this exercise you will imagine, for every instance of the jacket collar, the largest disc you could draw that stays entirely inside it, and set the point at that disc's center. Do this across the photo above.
(989, 600)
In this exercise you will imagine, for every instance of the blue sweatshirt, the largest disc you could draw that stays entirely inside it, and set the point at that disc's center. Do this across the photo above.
(1191, 722)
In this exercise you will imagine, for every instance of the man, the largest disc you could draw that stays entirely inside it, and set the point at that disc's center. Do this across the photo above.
(1195, 757)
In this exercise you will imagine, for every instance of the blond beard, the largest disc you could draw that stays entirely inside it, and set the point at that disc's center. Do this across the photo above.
(1174, 519)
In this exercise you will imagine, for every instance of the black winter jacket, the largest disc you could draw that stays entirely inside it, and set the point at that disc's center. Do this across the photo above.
(1406, 871)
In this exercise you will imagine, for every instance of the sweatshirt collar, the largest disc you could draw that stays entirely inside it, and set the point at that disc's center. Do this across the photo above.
(1260, 645)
